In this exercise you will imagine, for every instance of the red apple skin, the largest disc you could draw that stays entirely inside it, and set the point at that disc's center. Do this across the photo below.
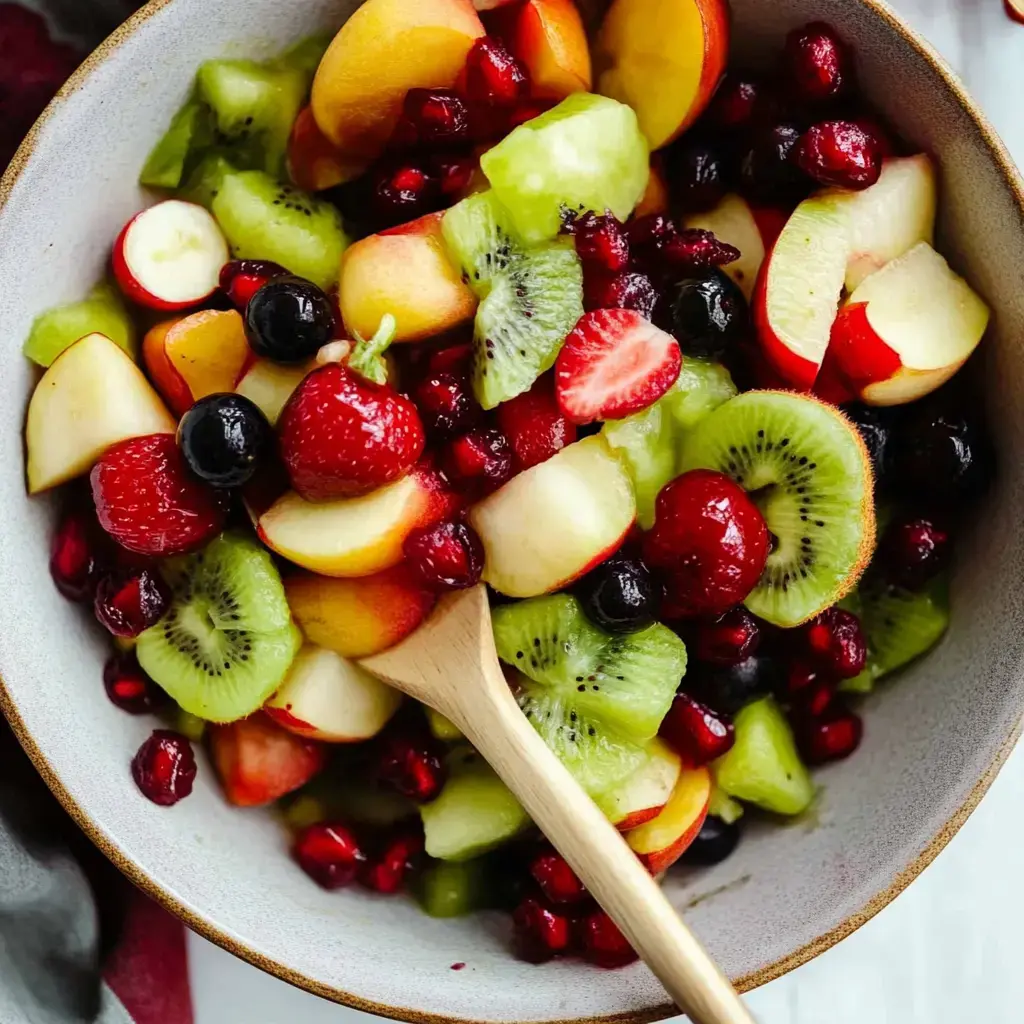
(636, 818)
(689, 799)
(799, 373)
(860, 354)
(287, 720)
(715, 16)
(770, 221)
(832, 384)
(600, 557)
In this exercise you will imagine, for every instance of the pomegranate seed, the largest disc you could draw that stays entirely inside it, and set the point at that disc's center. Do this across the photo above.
(437, 115)
(481, 457)
(527, 111)
(329, 853)
(401, 193)
(600, 241)
(734, 103)
(540, 933)
(454, 359)
(128, 603)
(835, 641)
(696, 733)
(802, 675)
(74, 565)
(128, 687)
(164, 767)
(387, 873)
(831, 737)
(454, 173)
(446, 404)
(874, 128)
(412, 764)
(815, 699)
(816, 64)
(602, 943)
(631, 290)
(913, 550)
(728, 639)
(493, 75)
(839, 153)
(240, 280)
(556, 879)
(445, 556)
(698, 249)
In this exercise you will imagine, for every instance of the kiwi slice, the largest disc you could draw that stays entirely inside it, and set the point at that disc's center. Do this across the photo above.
(530, 296)
(442, 728)
(265, 220)
(721, 805)
(204, 180)
(190, 129)
(227, 639)
(101, 312)
(452, 888)
(805, 465)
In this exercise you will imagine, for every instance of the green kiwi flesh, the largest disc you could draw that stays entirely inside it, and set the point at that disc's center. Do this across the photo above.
(448, 888)
(102, 311)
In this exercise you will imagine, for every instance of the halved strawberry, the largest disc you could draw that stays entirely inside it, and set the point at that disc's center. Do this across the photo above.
(534, 425)
(613, 363)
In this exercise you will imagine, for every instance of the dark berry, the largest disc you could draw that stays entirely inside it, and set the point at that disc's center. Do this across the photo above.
(165, 767)
(453, 172)
(816, 65)
(480, 460)
(767, 172)
(803, 674)
(835, 641)
(839, 153)
(289, 320)
(875, 428)
(814, 699)
(128, 687)
(534, 424)
(830, 737)
(696, 733)
(619, 595)
(913, 551)
(650, 231)
(330, 853)
(629, 290)
(730, 688)
(74, 559)
(697, 249)
(402, 192)
(602, 943)
(601, 242)
(493, 75)
(729, 638)
(445, 556)
(696, 173)
(453, 359)
(709, 314)
(412, 764)
(240, 280)
(128, 602)
(715, 841)
(540, 933)
(438, 116)
(734, 103)
(446, 404)
(224, 438)
(557, 881)
(386, 872)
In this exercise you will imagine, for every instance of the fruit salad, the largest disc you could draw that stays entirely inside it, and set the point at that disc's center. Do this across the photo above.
(660, 352)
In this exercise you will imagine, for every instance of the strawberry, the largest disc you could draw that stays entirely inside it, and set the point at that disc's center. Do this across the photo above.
(613, 363)
(534, 425)
(258, 762)
(150, 503)
(342, 435)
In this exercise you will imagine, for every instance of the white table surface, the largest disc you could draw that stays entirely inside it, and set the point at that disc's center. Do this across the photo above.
(947, 951)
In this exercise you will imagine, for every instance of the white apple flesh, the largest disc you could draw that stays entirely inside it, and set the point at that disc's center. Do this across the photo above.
(660, 842)
(641, 796)
(269, 386)
(732, 222)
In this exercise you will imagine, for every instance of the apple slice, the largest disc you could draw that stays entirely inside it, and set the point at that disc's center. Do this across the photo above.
(549, 525)
(732, 221)
(907, 329)
(664, 839)
(642, 795)
(91, 397)
(270, 385)
(327, 697)
(797, 293)
(170, 256)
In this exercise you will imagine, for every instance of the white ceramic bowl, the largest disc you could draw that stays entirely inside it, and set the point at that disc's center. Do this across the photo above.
(934, 739)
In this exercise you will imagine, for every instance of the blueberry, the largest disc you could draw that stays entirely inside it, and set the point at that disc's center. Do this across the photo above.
(696, 173)
(875, 427)
(709, 314)
(289, 320)
(715, 841)
(768, 172)
(618, 596)
(224, 438)
(729, 688)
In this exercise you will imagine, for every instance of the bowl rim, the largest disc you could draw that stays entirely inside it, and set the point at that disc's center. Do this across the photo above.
(1014, 182)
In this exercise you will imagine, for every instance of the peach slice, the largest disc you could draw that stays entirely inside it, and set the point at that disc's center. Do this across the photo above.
(663, 840)
(642, 795)
(358, 617)
(655, 197)
(386, 48)
(664, 58)
(314, 162)
(270, 385)
(733, 222)
(198, 355)
(404, 271)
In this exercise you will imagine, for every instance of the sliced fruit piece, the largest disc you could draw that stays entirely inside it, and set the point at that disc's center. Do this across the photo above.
(270, 385)
(354, 536)
(585, 154)
(258, 762)
(721, 805)
(170, 256)
(102, 311)
(90, 398)
(327, 697)
(732, 221)
(664, 59)
(228, 640)
(442, 728)
(406, 272)
(475, 812)
(530, 296)
(662, 841)
(806, 467)
(613, 363)
(165, 165)
(901, 626)
(358, 617)
(204, 182)
(198, 355)
(643, 795)
(655, 198)
(907, 329)
(452, 888)
(549, 525)
(314, 162)
(265, 220)
(383, 50)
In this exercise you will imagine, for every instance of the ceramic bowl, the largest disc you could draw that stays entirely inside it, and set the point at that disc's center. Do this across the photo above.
(934, 739)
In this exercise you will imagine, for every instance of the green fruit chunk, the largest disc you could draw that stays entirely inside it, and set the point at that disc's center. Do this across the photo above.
(763, 767)
(443, 729)
(475, 812)
(191, 726)
(227, 640)
(101, 312)
(165, 167)
(452, 888)
(588, 153)
(204, 181)
(721, 805)
(702, 386)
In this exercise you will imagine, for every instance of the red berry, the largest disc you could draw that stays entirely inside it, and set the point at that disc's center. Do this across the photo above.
(734, 103)
(815, 699)
(329, 853)
(600, 242)
(453, 359)
(74, 561)
(445, 556)
(150, 503)
(387, 873)
(802, 675)
(413, 764)
(402, 192)
(493, 75)
(129, 602)
(830, 737)
(527, 110)
(697, 249)
(438, 116)
(709, 539)
(165, 767)
(602, 943)
(128, 687)
(835, 642)
(696, 733)
(240, 280)
(480, 460)
(342, 435)
(614, 362)
(454, 173)
(816, 64)
(649, 231)
(728, 639)
(630, 290)
(534, 425)
(913, 551)
(556, 879)
(446, 404)
(540, 933)
(839, 153)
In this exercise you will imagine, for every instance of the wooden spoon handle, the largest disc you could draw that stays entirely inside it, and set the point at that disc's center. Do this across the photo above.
(596, 851)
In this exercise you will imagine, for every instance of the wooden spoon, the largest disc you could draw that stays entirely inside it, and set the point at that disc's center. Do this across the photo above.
(450, 664)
